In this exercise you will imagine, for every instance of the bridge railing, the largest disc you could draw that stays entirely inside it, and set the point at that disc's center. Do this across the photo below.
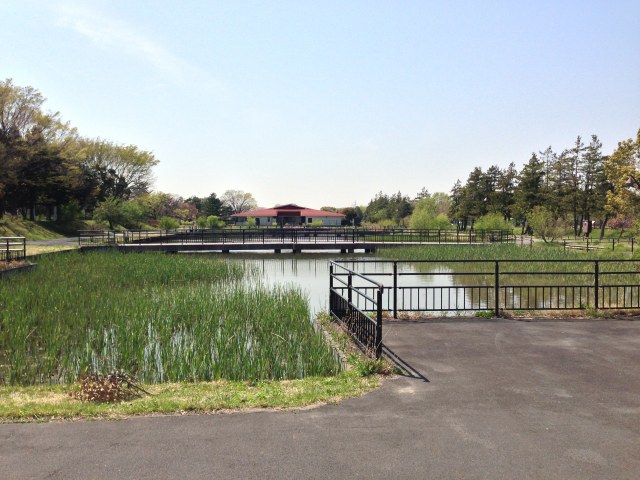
(98, 238)
(365, 326)
(13, 248)
(316, 236)
(497, 285)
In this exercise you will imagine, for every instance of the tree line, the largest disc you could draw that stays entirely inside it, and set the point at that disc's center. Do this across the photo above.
(556, 191)
(45, 163)
(47, 168)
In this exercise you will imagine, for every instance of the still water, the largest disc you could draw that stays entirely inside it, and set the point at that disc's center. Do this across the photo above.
(426, 287)
(310, 272)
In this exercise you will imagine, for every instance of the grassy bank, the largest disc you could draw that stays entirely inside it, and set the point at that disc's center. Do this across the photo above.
(11, 226)
(54, 402)
(161, 318)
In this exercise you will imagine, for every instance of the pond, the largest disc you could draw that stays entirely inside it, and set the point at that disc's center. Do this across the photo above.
(450, 286)
(310, 272)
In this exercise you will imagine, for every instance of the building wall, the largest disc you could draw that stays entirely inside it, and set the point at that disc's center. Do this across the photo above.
(267, 221)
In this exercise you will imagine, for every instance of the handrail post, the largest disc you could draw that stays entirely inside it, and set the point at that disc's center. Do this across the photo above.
(349, 289)
(330, 276)
(497, 289)
(395, 289)
(379, 324)
(597, 282)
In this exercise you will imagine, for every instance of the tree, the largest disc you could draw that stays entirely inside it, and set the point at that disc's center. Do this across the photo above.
(505, 191)
(442, 203)
(544, 224)
(238, 201)
(623, 171)
(126, 165)
(595, 184)
(425, 216)
(36, 152)
(168, 223)
(352, 215)
(388, 209)
(212, 205)
(214, 221)
(110, 211)
(528, 194)
(492, 221)
(196, 202)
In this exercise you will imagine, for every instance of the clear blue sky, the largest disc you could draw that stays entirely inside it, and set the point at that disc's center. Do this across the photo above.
(328, 102)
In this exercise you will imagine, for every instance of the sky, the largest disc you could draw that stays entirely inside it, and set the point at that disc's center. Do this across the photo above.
(326, 103)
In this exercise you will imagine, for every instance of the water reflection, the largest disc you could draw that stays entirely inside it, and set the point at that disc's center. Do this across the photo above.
(447, 286)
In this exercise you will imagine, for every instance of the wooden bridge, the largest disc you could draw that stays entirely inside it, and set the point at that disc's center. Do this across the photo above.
(296, 240)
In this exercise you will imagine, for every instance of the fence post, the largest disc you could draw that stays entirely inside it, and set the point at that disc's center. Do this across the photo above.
(330, 277)
(497, 289)
(395, 289)
(379, 324)
(597, 282)
(349, 287)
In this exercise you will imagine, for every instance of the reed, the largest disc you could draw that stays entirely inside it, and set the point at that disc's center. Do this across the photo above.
(485, 252)
(163, 318)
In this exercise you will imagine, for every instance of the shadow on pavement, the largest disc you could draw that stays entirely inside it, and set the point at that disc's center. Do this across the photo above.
(408, 370)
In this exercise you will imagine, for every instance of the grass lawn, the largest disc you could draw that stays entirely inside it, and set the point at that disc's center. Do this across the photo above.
(54, 402)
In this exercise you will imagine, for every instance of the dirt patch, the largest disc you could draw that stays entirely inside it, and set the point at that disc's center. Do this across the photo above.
(12, 265)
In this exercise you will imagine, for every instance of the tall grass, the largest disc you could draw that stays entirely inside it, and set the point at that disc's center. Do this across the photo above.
(486, 252)
(160, 317)
(556, 266)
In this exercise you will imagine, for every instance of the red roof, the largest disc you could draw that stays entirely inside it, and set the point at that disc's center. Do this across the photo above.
(290, 209)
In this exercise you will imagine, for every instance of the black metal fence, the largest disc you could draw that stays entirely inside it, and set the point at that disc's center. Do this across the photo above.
(598, 244)
(317, 235)
(98, 238)
(364, 327)
(439, 286)
(13, 248)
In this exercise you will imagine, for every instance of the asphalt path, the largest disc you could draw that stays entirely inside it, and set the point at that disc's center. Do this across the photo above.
(489, 400)
(70, 241)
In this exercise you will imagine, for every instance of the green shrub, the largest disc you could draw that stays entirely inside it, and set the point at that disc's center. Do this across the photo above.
(168, 223)
(214, 221)
(492, 221)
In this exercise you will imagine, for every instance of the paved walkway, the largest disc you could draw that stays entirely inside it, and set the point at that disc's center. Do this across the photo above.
(67, 241)
(504, 400)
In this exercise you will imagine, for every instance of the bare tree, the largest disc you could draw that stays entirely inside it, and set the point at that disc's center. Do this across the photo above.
(238, 201)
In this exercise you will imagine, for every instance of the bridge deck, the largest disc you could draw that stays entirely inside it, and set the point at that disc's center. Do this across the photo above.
(254, 246)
